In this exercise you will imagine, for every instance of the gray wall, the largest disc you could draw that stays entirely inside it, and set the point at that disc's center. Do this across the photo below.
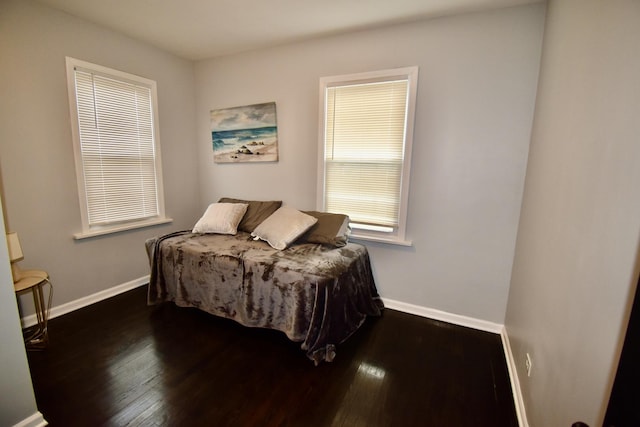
(576, 262)
(18, 402)
(476, 96)
(36, 150)
(476, 92)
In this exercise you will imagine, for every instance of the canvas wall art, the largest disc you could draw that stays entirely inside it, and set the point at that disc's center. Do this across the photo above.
(245, 134)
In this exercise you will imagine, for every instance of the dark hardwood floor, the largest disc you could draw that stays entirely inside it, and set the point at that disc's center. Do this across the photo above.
(120, 362)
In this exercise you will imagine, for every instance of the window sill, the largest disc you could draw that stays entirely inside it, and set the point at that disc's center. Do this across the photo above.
(119, 228)
(381, 239)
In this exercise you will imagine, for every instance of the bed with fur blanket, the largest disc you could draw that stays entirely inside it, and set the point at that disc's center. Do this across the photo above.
(316, 294)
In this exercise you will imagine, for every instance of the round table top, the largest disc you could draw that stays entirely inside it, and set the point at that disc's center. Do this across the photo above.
(29, 279)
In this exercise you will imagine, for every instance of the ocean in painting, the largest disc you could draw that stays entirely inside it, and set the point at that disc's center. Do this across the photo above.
(230, 141)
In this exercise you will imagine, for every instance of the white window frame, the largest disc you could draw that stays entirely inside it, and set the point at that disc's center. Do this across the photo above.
(394, 235)
(89, 230)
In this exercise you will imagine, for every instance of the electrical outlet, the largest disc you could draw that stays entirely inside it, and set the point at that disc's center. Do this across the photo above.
(528, 365)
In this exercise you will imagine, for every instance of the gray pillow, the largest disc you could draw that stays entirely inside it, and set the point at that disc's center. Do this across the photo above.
(331, 229)
(257, 211)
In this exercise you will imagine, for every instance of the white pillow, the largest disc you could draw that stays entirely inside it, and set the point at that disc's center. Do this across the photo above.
(283, 227)
(221, 218)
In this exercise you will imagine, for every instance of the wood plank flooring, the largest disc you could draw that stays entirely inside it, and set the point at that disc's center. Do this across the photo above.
(120, 362)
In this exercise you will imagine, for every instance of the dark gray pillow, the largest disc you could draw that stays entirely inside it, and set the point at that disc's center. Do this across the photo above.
(257, 211)
(331, 229)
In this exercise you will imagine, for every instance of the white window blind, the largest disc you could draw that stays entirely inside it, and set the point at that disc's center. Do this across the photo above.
(116, 151)
(364, 150)
(367, 125)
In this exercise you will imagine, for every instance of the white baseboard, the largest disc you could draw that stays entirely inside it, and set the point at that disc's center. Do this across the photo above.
(515, 382)
(482, 325)
(88, 300)
(443, 316)
(35, 420)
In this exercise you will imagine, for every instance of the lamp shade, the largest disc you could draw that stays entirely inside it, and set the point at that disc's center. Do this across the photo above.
(15, 250)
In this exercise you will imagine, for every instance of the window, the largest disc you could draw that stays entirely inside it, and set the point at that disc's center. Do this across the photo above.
(115, 136)
(365, 150)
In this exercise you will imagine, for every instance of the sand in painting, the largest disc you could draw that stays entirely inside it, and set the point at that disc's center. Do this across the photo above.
(262, 151)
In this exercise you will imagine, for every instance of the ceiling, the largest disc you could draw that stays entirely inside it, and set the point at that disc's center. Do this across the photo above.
(200, 29)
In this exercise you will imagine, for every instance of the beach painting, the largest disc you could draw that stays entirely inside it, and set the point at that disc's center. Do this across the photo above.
(245, 134)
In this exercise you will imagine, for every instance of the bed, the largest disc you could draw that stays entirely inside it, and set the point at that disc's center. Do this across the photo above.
(317, 294)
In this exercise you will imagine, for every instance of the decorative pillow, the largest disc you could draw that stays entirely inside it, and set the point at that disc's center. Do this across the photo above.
(257, 212)
(331, 229)
(221, 218)
(283, 227)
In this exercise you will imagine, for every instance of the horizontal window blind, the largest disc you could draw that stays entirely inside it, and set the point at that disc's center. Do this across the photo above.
(117, 148)
(365, 127)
